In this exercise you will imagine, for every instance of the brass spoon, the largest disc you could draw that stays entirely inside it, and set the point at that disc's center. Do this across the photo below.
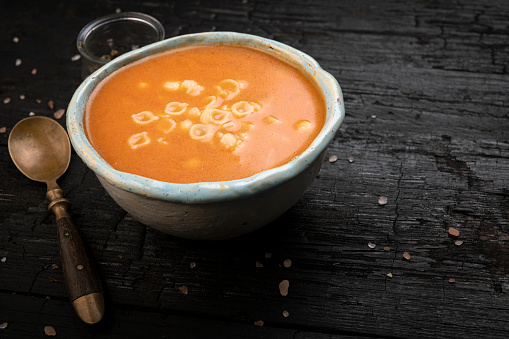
(40, 149)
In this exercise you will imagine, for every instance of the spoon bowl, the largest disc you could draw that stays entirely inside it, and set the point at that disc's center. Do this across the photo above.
(40, 149)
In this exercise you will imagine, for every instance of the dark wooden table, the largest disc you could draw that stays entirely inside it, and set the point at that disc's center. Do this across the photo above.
(426, 89)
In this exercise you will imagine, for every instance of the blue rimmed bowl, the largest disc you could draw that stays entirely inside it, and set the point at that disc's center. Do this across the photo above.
(211, 210)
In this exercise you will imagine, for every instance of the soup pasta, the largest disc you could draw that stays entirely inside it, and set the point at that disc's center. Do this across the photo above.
(202, 114)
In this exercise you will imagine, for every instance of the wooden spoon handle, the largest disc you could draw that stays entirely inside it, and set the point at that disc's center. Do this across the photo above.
(83, 285)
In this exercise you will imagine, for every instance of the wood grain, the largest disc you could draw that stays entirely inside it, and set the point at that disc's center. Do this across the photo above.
(425, 86)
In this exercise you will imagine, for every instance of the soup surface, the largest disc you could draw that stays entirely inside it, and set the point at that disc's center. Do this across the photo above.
(203, 114)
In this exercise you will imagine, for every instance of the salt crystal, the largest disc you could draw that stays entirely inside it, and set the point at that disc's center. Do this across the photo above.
(118, 10)
(373, 116)
(454, 232)
(7, 100)
(18, 62)
(259, 264)
(287, 263)
(350, 159)
(76, 57)
(15, 39)
(283, 287)
(259, 323)
(4, 259)
(31, 114)
(3, 129)
(285, 314)
(51, 104)
(382, 200)
(34, 71)
(22, 97)
(50, 331)
(192, 264)
(406, 255)
(458, 242)
(184, 289)
(3, 325)
(389, 275)
(333, 158)
(58, 114)
(452, 280)
(387, 248)
(371, 245)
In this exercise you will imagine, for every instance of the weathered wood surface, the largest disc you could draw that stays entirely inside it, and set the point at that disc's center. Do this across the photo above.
(426, 86)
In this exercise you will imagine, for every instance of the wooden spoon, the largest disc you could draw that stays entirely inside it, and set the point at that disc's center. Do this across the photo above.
(40, 149)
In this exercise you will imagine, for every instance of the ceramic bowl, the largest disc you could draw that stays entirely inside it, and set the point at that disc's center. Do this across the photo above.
(211, 210)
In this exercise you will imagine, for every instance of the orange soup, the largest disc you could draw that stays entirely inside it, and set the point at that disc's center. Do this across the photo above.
(203, 114)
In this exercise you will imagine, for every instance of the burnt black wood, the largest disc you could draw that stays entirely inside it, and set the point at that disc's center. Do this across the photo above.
(427, 125)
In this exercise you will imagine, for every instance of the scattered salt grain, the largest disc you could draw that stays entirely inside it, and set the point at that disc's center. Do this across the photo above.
(3, 129)
(350, 159)
(51, 104)
(118, 10)
(15, 39)
(192, 264)
(373, 116)
(287, 263)
(382, 200)
(387, 248)
(18, 62)
(58, 114)
(22, 97)
(371, 245)
(389, 275)
(406, 255)
(259, 323)
(3, 325)
(34, 71)
(458, 242)
(259, 264)
(31, 114)
(283, 287)
(452, 280)
(7, 100)
(4, 259)
(38, 101)
(76, 57)
(333, 158)
(184, 289)
(454, 232)
(268, 255)
(50, 331)
(285, 314)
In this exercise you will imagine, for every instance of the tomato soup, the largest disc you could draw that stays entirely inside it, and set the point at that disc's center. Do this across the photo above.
(203, 114)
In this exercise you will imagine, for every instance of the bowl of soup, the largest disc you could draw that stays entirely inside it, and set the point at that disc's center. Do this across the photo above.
(208, 135)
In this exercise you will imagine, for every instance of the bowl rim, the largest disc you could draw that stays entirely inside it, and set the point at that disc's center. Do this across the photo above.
(208, 192)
